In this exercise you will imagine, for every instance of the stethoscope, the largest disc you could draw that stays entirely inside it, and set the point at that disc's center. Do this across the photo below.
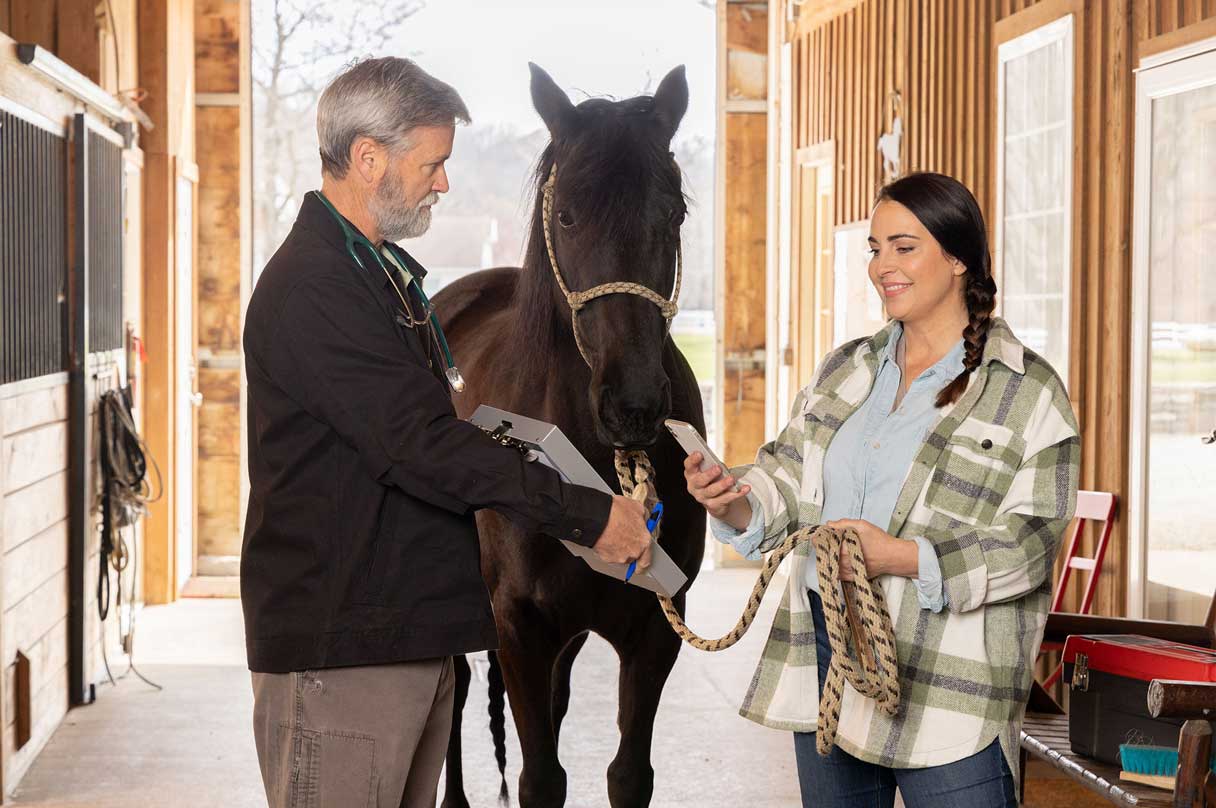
(353, 239)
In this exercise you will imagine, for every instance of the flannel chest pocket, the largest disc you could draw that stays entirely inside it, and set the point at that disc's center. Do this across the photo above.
(975, 472)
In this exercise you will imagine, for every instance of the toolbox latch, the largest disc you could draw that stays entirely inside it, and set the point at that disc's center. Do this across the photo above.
(1080, 673)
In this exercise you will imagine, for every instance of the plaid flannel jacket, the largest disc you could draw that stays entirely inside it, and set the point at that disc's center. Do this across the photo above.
(993, 488)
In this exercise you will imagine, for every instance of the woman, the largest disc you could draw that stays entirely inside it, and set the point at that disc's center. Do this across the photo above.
(952, 450)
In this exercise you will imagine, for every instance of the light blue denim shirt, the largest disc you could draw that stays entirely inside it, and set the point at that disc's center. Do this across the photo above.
(868, 460)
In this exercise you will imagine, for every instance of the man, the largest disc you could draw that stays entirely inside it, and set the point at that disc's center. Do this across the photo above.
(360, 572)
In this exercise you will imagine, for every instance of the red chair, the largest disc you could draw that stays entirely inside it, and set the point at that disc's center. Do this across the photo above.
(1092, 506)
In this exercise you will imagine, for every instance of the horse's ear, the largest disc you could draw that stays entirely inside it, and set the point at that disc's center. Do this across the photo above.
(671, 100)
(550, 101)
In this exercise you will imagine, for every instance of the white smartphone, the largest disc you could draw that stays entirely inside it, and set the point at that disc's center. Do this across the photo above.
(690, 441)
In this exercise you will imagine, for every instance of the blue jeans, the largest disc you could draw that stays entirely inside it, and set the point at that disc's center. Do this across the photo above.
(842, 781)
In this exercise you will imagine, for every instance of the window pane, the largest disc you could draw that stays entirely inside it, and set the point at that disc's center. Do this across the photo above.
(1182, 365)
(1035, 258)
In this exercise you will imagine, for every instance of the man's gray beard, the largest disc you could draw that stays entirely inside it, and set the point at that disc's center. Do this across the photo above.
(394, 221)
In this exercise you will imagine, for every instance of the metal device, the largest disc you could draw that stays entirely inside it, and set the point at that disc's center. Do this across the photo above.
(544, 443)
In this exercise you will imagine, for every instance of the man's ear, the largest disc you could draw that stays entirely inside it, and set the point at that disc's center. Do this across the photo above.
(368, 158)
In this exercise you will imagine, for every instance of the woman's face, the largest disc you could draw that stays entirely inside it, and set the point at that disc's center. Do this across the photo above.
(914, 276)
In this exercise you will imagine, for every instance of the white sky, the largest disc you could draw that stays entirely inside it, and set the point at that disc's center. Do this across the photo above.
(590, 47)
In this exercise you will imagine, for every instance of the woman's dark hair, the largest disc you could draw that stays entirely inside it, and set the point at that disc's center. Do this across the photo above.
(949, 211)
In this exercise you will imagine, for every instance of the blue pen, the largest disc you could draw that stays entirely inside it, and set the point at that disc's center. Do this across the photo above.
(651, 524)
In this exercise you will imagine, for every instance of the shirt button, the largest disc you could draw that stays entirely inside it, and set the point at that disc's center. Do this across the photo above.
(987, 444)
(577, 534)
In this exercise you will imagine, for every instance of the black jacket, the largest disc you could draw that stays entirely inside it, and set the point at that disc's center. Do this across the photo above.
(360, 545)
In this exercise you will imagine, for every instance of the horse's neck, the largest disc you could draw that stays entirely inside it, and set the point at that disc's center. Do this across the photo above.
(559, 393)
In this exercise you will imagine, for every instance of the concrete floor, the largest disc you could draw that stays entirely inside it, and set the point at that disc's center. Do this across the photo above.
(191, 744)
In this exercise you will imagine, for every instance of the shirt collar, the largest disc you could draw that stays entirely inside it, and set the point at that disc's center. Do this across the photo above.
(947, 368)
(316, 217)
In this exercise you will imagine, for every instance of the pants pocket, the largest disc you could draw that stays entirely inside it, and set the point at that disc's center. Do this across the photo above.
(325, 769)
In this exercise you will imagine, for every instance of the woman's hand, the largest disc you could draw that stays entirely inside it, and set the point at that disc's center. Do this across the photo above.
(713, 490)
(884, 554)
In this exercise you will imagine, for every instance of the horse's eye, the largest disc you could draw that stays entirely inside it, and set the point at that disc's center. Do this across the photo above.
(677, 218)
(565, 219)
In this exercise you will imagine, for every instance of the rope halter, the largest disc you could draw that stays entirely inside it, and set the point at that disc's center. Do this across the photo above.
(578, 300)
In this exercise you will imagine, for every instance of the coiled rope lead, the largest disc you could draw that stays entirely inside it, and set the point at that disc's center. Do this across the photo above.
(858, 623)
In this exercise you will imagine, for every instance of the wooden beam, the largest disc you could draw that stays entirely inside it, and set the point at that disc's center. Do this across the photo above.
(159, 76)
(1205, 29)
(1038, 15)
(217, 99)
(33, 21)
(246, 205)
(744, 249)
(217, 46)
(79, 36)
(1178, 699)
(815, 13)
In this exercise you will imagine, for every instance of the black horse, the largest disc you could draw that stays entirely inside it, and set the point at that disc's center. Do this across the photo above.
(616, 215)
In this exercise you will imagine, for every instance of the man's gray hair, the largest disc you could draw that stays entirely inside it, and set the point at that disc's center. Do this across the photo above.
(382, 99)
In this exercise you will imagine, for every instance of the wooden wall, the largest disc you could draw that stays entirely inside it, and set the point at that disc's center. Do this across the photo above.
(80, 33)
(218, 114)
(940, 56)
(34, 586)
(742, 223)
(934, 54)
(34, 430)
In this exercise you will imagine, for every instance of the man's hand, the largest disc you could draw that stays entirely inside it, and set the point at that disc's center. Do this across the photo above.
(625, 538)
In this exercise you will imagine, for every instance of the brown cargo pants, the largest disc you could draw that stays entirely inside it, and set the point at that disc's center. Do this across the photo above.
(373, 736)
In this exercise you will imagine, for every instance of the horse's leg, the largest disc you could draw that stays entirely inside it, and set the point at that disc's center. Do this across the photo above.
(561, 681)
(453, 790)
(527, 654)
(647, 656)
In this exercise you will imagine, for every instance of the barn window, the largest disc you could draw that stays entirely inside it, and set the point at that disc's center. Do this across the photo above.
(1034, 187)
(33, 246)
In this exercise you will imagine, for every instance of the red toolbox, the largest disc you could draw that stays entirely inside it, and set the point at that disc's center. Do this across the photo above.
(1108, 677)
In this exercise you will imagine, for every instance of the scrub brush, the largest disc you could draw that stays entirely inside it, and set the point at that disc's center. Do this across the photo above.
(1155, 766)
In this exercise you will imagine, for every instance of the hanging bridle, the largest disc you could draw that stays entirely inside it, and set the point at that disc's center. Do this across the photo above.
(578, 300)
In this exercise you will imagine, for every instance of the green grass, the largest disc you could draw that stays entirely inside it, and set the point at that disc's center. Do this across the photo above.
(698, 349)
(1183, 366)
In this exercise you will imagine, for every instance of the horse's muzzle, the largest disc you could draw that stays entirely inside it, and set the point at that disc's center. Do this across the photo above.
(632, 419)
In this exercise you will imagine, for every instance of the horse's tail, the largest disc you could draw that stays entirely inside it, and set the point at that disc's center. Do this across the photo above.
(498, 723)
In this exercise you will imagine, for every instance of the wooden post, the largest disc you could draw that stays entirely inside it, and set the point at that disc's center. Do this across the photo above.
(1194, 754)
(219, 33)
(741, 230)
(1173, 699)
(166, 57)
